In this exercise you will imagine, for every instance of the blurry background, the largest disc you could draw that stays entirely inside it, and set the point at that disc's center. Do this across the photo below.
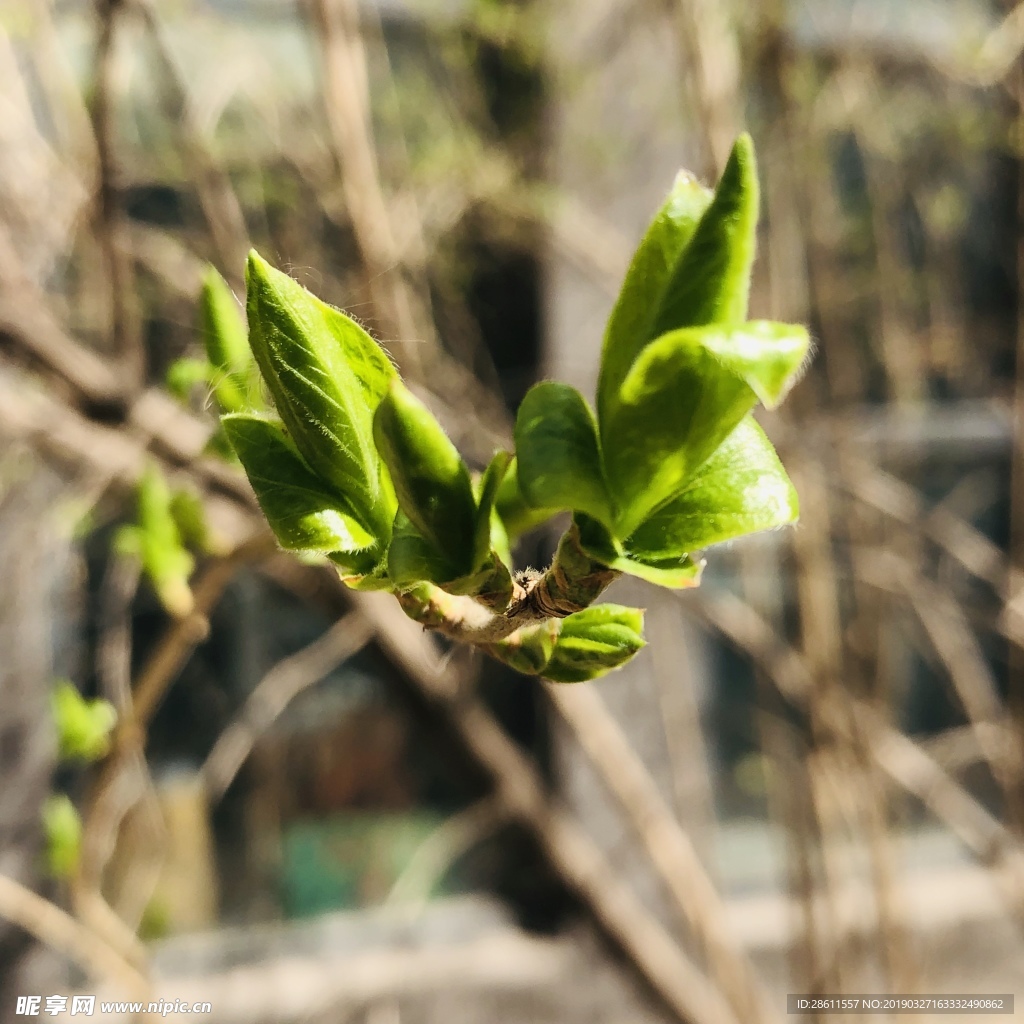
(812, 780)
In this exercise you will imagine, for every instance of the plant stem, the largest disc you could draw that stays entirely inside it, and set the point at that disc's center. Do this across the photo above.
(571, 583)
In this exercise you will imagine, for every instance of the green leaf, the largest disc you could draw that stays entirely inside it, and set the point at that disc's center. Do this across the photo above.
(184, 374)
(740, 489)
(595, 641)
(189, 516)
(157, 541)
(517, 515)
(711, 282)
(63, 829)
(631, 324)
(683, 396)
(412, 558)
(431, 481)
(490, 483)
(559, 458)
(529, 649)
(83, 726)
(223, 329)
(675, 572)
(327, 377)
(303, 513)
(226, 342)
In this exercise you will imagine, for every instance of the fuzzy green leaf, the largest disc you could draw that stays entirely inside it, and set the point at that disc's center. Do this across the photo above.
(595, 641)
(632, 323)
(740, 489)
(83, 726)
(431, 481)
(711, 282)
(683, 396)
(559, 458)
(302, 512)
(675, 572)
(327, 377)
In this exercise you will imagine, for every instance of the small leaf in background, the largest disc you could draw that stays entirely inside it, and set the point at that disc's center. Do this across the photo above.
(559, 458)
(83, 726)
(184, 374)
(301, 511)
(711, 283)
(63, 830)
(225, 339)
(683, 396)
(157, 541)
(431, 481)
(517, 515)
(678, 572)
(225, 336)
(327, 376)
(631, 324)
(190, 517)
(740, 489)
(595, 641)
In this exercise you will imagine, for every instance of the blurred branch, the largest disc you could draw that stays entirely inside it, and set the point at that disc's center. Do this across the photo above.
(666, 844)
(213, 186)
(436, 854)
(53, 927)
(126, 340)
(281, 685)
(898, 756)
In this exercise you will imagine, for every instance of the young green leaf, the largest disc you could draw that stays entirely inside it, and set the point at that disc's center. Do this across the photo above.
(490, 483)
(559, 458)
(740, 489)
(632, 323)
(517, 515)
(190, 517)
(63, 829)
(157, 542)
(302, 512)
(412, 558)
(595, 641)
(683, 396)
(431, 481)
(327, 377)
(529, 649)
(223, 329)
(711, 282)
(676, 572)
(184, 374)
(83, 726)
